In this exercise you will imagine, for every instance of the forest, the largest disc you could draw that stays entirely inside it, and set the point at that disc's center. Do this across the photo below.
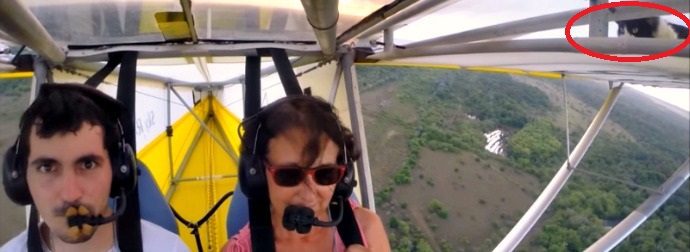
(444, 99)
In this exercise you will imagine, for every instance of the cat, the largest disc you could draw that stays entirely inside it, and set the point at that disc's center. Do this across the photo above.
(652, 27)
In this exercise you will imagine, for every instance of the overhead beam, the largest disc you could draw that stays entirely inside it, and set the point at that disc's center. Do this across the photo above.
(298, 62)
(406, 15)
(617, 234)
(189, 18)
(20, 24)
(610, 46)
(598, 21)
(95, 66)
(545, 22)
(192, 50)
(374, 18)
(323, 18)
(525, 224)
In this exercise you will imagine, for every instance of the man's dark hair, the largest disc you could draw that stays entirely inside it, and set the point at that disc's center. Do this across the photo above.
(312, 114)
(63, 108)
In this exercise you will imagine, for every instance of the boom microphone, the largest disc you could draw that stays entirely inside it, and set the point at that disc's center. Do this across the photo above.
(82, 218)
(302, 218)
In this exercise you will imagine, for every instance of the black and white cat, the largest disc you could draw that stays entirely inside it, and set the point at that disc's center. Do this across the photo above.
(652, 27)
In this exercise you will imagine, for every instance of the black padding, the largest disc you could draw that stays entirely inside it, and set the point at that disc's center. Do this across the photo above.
(14, 179)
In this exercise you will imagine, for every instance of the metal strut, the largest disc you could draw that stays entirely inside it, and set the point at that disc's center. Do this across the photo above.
(567, 124)
(646, 209)
(515, 236)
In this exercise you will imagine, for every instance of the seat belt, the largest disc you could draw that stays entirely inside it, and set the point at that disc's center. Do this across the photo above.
(260, 225)
(34, 242)
(348, 229)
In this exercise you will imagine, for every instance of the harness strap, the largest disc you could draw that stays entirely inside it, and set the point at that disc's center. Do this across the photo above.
(260, 225)
(195, 226)
(34, 243)
(348, 229)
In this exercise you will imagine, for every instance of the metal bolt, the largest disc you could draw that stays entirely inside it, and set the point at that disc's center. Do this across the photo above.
(123, 169)
(252, 171)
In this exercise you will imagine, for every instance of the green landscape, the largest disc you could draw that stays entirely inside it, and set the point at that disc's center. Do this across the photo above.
(438, 189)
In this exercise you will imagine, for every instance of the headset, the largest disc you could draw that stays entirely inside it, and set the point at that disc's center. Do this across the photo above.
(252, 174)
(122, 158)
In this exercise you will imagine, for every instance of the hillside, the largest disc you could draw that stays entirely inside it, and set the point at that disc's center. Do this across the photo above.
(14, 98)
(438, 189)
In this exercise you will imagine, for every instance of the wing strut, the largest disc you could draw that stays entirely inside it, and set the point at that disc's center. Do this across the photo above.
(515, 236)
(646, 209)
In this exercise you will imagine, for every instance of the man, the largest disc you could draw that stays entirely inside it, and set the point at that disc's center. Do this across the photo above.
(67, 162)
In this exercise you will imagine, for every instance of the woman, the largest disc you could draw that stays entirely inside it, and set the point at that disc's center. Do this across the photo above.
(299, 143)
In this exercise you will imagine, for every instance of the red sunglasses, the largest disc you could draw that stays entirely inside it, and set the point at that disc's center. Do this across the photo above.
(292, 175)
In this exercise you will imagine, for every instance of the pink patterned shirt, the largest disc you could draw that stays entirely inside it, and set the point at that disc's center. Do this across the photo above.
(242, 242)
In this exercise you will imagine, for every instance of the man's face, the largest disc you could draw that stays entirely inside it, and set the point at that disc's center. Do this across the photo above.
(66, 170)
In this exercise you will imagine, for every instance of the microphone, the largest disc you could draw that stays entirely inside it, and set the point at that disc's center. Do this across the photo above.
(81, 219)
(302, 218)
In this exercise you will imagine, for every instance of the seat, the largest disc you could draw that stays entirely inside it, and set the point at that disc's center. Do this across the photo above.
(152, 204)
(238, 213)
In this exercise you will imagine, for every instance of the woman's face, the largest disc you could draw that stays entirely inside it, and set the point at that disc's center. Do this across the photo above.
(286, 150)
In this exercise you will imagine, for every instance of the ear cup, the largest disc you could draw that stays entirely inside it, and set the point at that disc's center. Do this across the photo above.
(252, 177)
(347, 183)
(14, 179)
(124, 166)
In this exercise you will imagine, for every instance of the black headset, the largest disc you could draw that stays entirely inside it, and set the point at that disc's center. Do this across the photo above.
(122, 158)
(252, 174)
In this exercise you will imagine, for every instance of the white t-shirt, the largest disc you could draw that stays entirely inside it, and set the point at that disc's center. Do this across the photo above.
(153, 237)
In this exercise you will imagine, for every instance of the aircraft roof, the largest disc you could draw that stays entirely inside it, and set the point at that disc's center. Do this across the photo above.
(488, 34)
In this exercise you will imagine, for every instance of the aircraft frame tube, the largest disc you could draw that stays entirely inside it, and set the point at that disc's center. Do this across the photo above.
(17, 21)
(621, 45)
(515, 236)
(617, 234)
(388, 40)
(336, 82)
(598, 21)
(323, 18)
(187, 9)
(374, 18)
(354, 106)
(203, 125)
(407, 15)
(169, 133)
(543, 23)
(185, 160)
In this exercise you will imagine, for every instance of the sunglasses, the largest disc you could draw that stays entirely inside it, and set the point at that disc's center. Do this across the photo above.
(292, 175)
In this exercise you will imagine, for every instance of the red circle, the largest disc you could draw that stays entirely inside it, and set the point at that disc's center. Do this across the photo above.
(584, 50)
